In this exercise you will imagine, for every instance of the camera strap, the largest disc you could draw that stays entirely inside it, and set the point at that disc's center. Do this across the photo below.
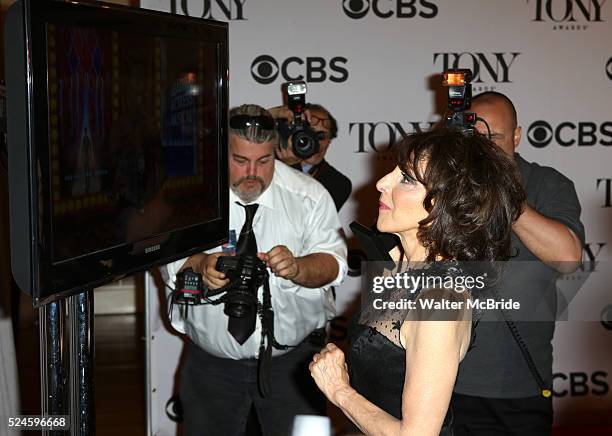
(545, 391)
(266, 315)
(531, 182)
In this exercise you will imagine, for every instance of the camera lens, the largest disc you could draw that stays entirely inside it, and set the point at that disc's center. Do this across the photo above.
(246, 273)
(305, 144)
(238, 310)
(239, 304)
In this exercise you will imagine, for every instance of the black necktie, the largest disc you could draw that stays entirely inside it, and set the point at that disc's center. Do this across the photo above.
(242, 328)
(246, 241)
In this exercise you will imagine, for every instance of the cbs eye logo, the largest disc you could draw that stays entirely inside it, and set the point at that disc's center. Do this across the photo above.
(540, 134)
(265, 69)
(357, 9)
(609, 68)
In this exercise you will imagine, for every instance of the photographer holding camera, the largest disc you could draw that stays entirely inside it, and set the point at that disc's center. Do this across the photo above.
(499, 390)
(305, 157)
(287, 221)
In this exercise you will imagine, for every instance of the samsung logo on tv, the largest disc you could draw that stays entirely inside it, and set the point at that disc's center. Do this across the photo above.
(152, 248)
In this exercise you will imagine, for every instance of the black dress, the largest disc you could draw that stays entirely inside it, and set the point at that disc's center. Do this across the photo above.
(376, 358)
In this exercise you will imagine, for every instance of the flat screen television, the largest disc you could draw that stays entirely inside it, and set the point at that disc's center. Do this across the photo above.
(117, 132)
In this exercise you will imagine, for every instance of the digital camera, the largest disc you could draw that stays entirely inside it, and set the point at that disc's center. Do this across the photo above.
(246, 274)
(304, 140)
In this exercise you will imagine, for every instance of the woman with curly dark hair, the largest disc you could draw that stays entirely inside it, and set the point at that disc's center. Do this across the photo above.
(451, 198)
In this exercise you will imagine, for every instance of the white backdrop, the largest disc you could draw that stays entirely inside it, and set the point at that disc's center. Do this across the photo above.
(373, 63)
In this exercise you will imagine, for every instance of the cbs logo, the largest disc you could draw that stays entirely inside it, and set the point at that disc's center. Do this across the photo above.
(357, 9)
(265, 69)
(580, 384)
(585, 133)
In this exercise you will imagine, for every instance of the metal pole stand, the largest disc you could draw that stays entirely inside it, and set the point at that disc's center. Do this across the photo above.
(67, 362)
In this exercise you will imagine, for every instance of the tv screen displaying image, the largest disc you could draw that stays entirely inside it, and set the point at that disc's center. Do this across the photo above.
(132, 137)
(123, 132)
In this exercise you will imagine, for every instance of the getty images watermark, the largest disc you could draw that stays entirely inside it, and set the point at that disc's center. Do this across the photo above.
(524, 290)
(427, 283)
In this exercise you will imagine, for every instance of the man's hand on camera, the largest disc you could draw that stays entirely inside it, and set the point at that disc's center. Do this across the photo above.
(307, 116)
(284, 154)
(281, 112)
(282, 262)
(205, 265)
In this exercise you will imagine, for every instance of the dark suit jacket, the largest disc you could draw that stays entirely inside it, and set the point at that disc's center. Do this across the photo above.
(336, 183)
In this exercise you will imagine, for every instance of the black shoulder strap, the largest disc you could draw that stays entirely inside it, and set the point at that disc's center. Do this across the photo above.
(531, 181)
(546, 391)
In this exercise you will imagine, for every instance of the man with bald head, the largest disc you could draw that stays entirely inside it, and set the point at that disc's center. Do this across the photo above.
(496, 391)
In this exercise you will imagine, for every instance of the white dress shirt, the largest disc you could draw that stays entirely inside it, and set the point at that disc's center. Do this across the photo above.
(298, 212)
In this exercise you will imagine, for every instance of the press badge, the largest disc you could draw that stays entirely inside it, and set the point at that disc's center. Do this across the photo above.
(229, 249)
